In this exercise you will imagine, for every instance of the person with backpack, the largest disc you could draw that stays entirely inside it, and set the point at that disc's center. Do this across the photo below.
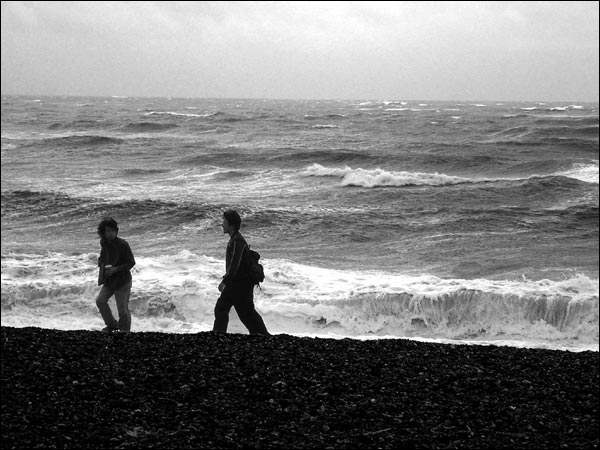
(237, 286)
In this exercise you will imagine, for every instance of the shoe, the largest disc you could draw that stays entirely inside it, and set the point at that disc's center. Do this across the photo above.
(109, 330)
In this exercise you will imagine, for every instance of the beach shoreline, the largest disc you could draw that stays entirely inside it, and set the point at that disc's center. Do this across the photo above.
(86, 389)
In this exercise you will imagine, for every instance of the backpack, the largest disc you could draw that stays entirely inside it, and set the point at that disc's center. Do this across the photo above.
(254, 270)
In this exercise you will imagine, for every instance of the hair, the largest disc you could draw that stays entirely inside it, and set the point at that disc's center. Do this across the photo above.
(107, 222)
(233, 218)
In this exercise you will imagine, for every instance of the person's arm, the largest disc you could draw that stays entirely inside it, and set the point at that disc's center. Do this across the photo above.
(102, 271)
(101, 257)
(129, 260)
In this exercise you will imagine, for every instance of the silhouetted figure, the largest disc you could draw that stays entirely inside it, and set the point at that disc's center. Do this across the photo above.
(115, 263)
(236, 290)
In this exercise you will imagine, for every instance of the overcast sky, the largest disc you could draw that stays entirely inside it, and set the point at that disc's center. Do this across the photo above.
(531, 51)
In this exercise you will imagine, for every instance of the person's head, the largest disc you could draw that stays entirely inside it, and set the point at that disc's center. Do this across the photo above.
(108, 228)
(231, 221)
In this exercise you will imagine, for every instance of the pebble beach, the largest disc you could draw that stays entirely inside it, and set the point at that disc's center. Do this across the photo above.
(87, 389)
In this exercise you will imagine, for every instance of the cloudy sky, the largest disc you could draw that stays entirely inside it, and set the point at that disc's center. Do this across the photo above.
(543, 51)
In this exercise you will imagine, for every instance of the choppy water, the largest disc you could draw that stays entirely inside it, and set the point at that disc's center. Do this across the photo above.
(445, 221)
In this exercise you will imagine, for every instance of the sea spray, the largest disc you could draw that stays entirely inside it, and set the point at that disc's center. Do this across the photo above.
(176, 293)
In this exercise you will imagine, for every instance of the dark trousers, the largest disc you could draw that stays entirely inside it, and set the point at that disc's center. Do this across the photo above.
(122, 298)
(241, 297)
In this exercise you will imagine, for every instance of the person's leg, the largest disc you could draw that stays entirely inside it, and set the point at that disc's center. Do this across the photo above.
(122, 298)
(244, 306)
(102, 304)
(222, 308)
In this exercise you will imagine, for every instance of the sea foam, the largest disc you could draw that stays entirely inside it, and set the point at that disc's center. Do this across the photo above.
(176, 293)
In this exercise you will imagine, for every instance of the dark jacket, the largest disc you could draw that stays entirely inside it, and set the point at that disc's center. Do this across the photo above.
(116, 253)
(236, 247)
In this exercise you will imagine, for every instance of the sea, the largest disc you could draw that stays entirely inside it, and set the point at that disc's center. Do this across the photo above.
(452, 222)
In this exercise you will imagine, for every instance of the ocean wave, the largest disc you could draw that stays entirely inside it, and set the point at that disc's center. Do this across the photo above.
(360, 304)
(77, 141)
(145, 127)
(581, 137)
(143, 171)
(476, 311)
(174, 291)
(81, 124)
(323, 116)
(586, 121)
(62, 208)
(370, 178)
(229, 117)
(553, 168)
(223, 158)
(583, 172)
(176, 114)
(277, 158)
(32, 203)
(294, 157)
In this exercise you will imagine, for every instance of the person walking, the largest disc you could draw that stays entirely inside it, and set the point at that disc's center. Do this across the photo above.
(115, 263)
(236, 290)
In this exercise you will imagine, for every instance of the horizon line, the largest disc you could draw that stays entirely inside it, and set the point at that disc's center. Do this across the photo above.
(169, 97)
